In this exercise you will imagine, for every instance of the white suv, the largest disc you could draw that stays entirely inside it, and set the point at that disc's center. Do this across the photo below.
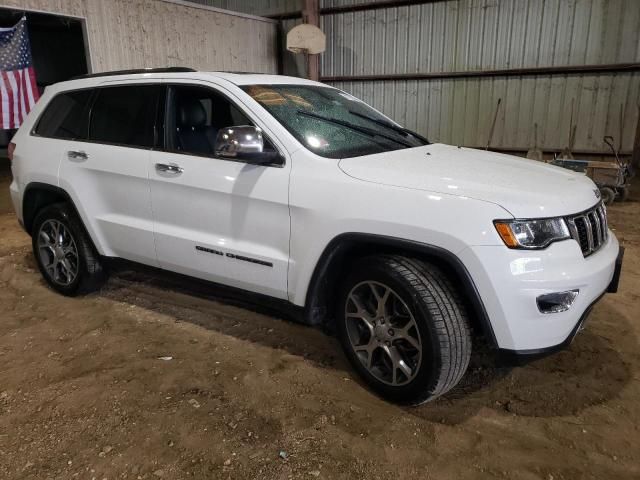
(289, 188)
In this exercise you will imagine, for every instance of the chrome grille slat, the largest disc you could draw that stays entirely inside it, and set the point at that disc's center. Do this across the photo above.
(573, 231)
(596, 219)
(589, 229)
(605, 226)
(589, 233)
(600, 224)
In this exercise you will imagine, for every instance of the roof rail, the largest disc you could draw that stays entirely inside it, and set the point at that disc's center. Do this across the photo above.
(136, 70)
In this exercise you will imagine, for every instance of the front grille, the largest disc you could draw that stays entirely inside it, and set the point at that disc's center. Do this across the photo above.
(589, 229)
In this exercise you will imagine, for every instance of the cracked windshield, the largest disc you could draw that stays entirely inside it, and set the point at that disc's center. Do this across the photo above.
(332, 123)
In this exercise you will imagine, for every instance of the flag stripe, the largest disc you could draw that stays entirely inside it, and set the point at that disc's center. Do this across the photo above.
(30, 85)
(18, 79)
(11, 100)
(15, 76)
(24, 96)
(16, 98)
(6, 101)
(3, 106)
(34, 85)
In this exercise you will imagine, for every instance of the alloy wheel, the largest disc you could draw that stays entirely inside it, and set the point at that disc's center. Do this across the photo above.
(383, 333)
(58, 252)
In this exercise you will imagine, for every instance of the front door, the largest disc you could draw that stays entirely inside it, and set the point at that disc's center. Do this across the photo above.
(221, 220)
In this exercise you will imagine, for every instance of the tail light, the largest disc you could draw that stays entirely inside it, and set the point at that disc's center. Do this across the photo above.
(10, 149)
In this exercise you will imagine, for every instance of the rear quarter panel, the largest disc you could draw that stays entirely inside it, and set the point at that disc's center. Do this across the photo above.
(35, 159)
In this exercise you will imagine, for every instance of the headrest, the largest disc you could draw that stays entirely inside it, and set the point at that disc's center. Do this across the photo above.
(191, 112)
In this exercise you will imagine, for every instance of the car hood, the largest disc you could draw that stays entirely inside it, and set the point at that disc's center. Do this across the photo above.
(525, 188)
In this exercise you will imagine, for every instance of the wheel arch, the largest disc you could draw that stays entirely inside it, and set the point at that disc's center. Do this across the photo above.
(347, 247)
(38, 195)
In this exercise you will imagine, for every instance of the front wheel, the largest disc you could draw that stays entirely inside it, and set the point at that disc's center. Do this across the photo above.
(404, 328)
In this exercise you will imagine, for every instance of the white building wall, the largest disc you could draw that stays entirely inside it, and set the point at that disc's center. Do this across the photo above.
(124, 34)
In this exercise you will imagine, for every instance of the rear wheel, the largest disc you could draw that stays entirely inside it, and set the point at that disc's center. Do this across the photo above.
(404, 328)
(64, 253)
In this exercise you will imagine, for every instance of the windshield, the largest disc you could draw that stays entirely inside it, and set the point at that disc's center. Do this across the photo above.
(332, 123)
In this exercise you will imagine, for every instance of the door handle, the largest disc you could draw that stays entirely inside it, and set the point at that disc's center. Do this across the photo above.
(77, 155)
(169, 168)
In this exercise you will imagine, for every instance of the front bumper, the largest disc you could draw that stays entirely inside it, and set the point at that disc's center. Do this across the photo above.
(615, 281)
(509, 281)
(524, 356)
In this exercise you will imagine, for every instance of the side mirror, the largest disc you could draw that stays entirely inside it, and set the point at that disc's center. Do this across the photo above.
(244, 142)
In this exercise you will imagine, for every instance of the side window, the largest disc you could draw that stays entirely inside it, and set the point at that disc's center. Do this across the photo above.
(66, 116)
(194, 117)
(125, 115)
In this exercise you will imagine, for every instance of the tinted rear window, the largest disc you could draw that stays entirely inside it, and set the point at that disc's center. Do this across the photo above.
(66, 116)
(124, 115)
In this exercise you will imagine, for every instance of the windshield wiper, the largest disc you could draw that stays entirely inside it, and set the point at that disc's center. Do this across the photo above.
(352, 126)
(391, 126)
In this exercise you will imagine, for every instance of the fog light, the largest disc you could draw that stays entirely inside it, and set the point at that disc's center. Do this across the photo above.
(556, 302)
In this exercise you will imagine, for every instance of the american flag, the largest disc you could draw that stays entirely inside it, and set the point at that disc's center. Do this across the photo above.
(18, 89)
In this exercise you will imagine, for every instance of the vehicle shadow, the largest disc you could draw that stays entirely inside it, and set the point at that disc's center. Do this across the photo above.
(588, 373)
(5, 180)
(233, 312)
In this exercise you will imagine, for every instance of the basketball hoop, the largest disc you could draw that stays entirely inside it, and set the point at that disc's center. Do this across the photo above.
(306, 38)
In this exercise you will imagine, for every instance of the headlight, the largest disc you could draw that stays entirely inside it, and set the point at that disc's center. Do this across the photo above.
(532, 233)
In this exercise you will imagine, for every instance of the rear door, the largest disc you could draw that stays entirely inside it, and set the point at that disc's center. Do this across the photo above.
(106, 172)
(222, 220)
(64, 119)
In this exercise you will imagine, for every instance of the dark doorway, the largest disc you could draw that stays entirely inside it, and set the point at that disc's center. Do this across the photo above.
(58, 48)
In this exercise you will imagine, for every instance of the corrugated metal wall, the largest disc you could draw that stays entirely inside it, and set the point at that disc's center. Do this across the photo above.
(462, 35)
(149, 33)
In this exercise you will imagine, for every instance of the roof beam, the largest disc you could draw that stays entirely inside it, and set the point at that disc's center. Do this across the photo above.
(507, 72)
(355, 8)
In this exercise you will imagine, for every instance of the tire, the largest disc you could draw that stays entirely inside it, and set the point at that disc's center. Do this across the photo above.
(423, 323)
(67, 260)
(608, 195)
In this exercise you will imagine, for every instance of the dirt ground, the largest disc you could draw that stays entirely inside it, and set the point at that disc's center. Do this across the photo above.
(85, 393)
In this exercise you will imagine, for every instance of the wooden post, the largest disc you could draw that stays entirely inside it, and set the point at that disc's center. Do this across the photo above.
(311, 15)
(635, 157)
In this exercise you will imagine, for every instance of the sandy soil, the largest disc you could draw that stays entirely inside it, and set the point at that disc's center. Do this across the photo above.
(85, 394)
(5, 179)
